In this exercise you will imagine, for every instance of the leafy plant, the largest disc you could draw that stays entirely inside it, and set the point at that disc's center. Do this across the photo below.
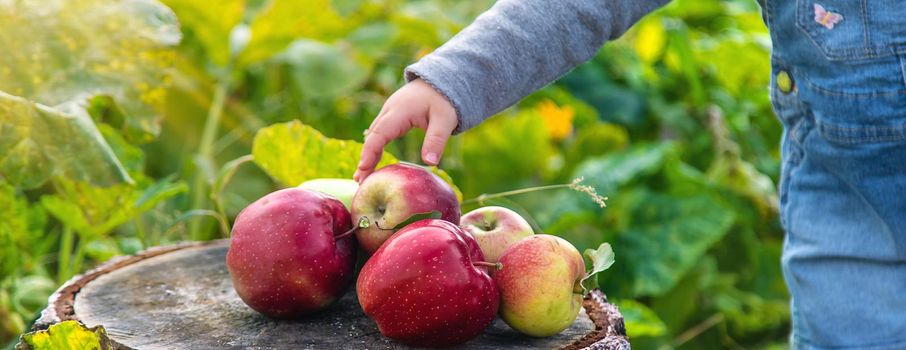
(77, 98)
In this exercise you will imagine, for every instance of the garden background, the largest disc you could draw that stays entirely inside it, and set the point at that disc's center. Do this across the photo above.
(130, 124)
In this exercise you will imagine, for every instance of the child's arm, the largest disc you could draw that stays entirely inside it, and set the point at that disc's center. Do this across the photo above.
(516, 47)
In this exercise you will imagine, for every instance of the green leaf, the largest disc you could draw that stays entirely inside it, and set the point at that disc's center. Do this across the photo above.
(609, 172)
(374, 40)
(293, 153)
(22, 230)
(595, 139)
(38, 142)
(11, 323)
(93, 211)
(640, 320)
(740, 64)
(227, 171)
(130, 156)
(102, 249)
(434, 214)
(667, 236)
(284, 21)
(210, 24)
(66, 335)
(321, 70)
(601, 259)
(66, 50)
(749, 313)
(584, 229)
(31, 292)
(742, 177)
(195, 213)
(504, 149)
(606, 174)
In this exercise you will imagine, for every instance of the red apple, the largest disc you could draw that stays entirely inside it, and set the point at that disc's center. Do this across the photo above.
(540, 285)
(394, 193)
(495, 229)
(289, 255)
(428, 286)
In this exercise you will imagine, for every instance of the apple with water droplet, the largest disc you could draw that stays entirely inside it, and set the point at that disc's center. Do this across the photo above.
(495, 229)
(393, 194)
(292, 252)
(429, 286)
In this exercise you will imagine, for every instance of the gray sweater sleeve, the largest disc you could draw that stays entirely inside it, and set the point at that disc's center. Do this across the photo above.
(519, 46)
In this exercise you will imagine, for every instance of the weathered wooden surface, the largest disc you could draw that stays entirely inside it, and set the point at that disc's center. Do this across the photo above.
(182, 297)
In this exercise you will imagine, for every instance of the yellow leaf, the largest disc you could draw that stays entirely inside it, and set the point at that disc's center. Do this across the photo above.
(210, 23)
(650, 40)
(558, 120)
(66, 335)
(58, 51)
(293, 153)
(284, 21)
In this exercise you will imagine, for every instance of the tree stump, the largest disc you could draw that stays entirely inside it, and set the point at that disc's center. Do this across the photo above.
(181, 297)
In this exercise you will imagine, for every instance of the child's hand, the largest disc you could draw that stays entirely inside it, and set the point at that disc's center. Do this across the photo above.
(418, 105)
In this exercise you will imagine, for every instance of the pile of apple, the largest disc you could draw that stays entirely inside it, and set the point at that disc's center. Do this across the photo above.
(431, 278)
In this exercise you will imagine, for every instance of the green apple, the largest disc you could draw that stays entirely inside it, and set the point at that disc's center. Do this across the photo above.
(342, 189)
(540, 285)
(495, 229)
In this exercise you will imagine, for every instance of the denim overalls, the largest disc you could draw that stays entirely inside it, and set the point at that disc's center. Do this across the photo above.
(839, 88)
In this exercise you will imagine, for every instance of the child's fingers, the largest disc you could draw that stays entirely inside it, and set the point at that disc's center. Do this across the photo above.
(376, 119)
(439, 130)
(371, 154)
(381, 133)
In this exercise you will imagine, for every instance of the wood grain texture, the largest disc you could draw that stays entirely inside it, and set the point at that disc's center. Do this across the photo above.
(182, 297)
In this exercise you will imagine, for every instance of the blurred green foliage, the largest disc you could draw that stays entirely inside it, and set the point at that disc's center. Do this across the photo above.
(118, 137)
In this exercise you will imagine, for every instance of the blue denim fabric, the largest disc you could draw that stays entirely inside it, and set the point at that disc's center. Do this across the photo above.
(843, 183)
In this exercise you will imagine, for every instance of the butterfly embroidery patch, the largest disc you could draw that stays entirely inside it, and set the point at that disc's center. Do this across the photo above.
(826, 18)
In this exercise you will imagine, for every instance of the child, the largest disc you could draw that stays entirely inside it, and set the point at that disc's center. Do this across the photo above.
(838, 87)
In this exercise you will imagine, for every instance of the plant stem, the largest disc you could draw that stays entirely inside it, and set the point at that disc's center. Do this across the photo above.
(217, 190)
(140, 231)
(480, 199)
(700, 328)
(64, 254)
(205, 154)
(79, 257)
(224, 226)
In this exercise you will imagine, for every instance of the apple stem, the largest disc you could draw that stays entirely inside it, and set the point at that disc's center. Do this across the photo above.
(578, 288)
(496, 266)
(364, 222)
(345, 234)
